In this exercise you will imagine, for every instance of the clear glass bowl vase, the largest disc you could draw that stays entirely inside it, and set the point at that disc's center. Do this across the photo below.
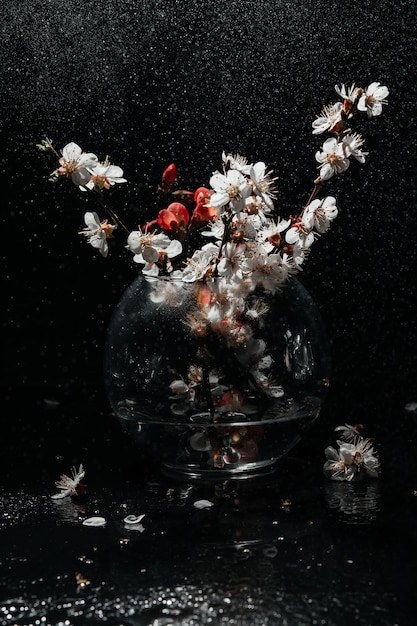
(206, 407)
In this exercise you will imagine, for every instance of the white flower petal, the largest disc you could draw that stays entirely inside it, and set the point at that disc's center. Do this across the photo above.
(150, 269)
(178, 387)
(219, 199)
(87, 159)
(376, 109)
(94, 521)
(331, 453)
(134, 241)
(71, 152)
(291, 236)
(81, 177)
(326, 171)
(203, 504)
(330, 145)
(381, 93)
(362, 103)
(92, 220)
(219, 182)
(372, 88)
(150, 254)
(174, 249)
(99, 242)
(133, 519)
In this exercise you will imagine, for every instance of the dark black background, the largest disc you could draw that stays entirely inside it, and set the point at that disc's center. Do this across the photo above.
(153, 82)
(148, 83)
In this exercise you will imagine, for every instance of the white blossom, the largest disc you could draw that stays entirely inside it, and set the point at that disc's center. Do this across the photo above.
(231, 189)
(256, 208)
(97, 232)
(352, 143)
(215, 229)
(203, 504)
(372, 99)
(95, 521)
(333, 158)
(269, 234)
(301, 233)
(350, 94)
(265, 270)
(263, 184)
(200, 263)
(104, 175)
(230, 264)
(348, 433)
(292, 263)
(76, 164)
(68, 484)
(148, 248)
(133, 519)
(352, 461)
(319, 213)
(236, 162)
(329, 118)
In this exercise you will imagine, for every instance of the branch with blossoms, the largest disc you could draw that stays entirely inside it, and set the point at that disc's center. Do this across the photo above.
(336, 153)
(228, 241)
(236, 216)
(229, 230)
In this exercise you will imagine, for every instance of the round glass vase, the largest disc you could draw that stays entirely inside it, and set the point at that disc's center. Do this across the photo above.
(210, 405)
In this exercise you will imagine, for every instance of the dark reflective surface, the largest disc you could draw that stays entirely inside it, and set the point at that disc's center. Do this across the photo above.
(291, 549)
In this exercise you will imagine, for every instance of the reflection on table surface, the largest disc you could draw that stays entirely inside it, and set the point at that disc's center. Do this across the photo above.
(292, 549)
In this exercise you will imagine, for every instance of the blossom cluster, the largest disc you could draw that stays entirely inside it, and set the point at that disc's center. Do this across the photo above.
(355, 457)
(241, 239)
(334, 156)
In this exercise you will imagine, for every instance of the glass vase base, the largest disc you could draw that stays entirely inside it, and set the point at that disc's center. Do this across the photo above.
(218, 452)
(189, 473)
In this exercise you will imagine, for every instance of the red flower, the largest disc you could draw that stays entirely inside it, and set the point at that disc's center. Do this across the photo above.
(203, 212)
(175, 218)
(203, 294)
(169, 176)
(202, 195)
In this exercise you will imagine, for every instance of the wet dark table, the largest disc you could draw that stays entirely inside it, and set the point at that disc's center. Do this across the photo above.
(290, 549)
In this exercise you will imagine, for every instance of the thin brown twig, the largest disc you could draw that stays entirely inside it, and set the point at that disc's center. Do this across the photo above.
(110, 211)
